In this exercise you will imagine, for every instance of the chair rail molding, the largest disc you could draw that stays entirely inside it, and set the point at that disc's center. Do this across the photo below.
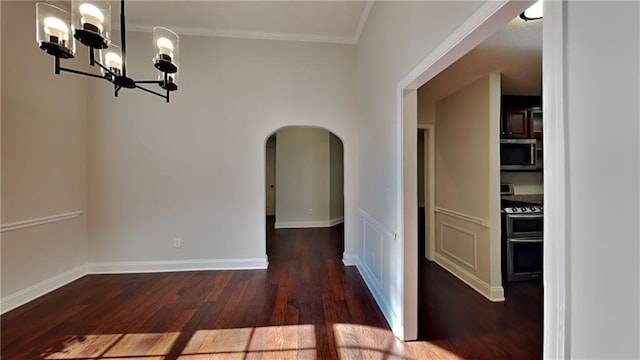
(39, 221)
(462, 216)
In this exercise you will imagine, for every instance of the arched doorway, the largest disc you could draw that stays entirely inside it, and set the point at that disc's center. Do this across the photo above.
(304, 183)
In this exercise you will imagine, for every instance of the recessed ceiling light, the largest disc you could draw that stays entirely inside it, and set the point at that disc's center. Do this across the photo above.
(534, 12)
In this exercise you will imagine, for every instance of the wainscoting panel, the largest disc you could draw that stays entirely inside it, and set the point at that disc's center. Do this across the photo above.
(381, 275)
(372, 250)
(463, 247)
(459, 244)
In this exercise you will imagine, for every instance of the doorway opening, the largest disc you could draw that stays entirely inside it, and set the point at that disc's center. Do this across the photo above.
(426, 192)
(304, 186)
(466, 101)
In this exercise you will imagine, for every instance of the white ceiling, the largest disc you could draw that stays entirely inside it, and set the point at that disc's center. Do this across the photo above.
(319, 21)
(515, 51)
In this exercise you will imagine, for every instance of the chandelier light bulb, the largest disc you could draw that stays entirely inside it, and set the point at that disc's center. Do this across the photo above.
(92, 18)
(165, 47)
(114, 62)
(57, 30)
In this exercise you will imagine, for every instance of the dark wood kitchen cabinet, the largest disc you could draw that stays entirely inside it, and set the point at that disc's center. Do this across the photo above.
(535, 118)
(515, 124)
(520, 115)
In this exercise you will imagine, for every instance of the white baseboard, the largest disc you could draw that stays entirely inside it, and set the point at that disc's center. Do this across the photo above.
(350, 260)
(493, 293)
(336, 221)
(177, 265)
(307, 224)
(33, 292)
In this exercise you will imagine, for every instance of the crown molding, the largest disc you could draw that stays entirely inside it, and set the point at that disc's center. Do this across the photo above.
(243, 34)
(262, 35)
(363, 21)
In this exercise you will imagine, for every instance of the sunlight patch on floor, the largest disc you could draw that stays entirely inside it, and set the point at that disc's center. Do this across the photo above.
(115, 346)
(429, 350)
(366, 342)
(269, 342)
(85, 346)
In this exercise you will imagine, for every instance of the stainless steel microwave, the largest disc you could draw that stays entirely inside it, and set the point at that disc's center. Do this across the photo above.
(518, 154)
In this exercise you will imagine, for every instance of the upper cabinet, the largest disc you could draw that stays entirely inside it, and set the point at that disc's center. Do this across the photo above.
(521, 116)
(522, 119)
(535, 118)
(515, 124)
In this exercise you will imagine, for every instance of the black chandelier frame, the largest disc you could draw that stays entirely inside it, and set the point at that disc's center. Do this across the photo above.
(119, 81)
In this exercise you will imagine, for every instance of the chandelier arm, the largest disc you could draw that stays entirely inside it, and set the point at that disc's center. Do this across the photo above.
(147, 82)
(106, 69)
(166, 97)
(82, 73)
(92, 56)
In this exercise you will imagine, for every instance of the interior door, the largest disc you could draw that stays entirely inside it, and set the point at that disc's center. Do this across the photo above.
(271, 181)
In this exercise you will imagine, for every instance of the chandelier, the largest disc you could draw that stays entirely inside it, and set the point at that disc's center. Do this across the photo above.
(90, 23)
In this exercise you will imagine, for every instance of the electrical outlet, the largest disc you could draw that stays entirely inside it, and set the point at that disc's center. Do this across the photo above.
(177, 242)
(310, 211)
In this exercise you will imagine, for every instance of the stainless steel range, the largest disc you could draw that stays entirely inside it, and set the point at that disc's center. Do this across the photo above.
(524, 208)
(522, 228)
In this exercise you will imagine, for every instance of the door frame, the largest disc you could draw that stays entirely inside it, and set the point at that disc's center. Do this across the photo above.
(272, 209)
(484, 22)
(428, 130)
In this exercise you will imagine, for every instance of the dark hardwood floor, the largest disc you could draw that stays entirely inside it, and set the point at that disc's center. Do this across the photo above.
(306, 305)
(455, 317)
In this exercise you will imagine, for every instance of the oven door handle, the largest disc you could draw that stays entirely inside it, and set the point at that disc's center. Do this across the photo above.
(524, 241)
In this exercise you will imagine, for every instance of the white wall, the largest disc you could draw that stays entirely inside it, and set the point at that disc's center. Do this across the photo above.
(397, 36)
(336, 178)
(194, 169)
(44, 123)
(467, 237)
(302, 178)
(603, 179)
(426, 110)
